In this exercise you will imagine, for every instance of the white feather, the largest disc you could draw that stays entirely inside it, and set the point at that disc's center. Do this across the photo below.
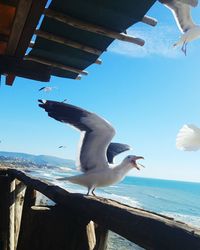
(188, 138)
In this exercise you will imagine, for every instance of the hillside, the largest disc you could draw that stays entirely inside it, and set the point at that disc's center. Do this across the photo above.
(34, 160)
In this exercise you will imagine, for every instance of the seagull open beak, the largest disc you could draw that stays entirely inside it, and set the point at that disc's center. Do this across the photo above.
(136, 164)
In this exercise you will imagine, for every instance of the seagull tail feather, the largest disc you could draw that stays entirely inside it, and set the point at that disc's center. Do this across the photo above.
(188, 138)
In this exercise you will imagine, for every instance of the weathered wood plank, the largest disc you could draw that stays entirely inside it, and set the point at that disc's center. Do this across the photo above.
(92, 28)
(67, 42)
(21, 14)
(98, 61)
(4, 38)
(32, 20)
(4, 217)
(55, 64)
(15, 66)
(19, 200)
(149, 20)
(24, 234)
(149, 230)
(9, 2)
(101, 237)
(11, 226)
(54, 228)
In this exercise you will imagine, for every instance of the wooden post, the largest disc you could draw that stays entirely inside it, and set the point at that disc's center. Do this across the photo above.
(7, 212)
(4, 187)
(54, 228)
(101, 237)
(19, 198)
(29, 200)
(11, 227)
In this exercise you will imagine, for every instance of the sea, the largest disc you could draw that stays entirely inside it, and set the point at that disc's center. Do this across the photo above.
(177, 199)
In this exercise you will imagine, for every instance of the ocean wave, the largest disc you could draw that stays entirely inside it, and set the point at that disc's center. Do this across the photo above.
(191, 220)
(72, 188)
(120, 198)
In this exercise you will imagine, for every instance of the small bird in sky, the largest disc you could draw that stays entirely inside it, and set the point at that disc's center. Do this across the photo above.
(64, 100)
(62, 146)
(188, 138)
(96, 151)
(47, 89)
(181, 10)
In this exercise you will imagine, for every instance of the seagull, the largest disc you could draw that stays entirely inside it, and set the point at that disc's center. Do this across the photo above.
(96, 152)
(64, 100)
(47, 89)
(62, 147)
(181, 12)
(188, 138)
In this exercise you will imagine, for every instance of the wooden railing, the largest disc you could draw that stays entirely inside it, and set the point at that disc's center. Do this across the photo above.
(79, 222)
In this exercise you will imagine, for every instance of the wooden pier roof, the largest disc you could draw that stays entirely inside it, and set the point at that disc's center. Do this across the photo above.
(70, 37)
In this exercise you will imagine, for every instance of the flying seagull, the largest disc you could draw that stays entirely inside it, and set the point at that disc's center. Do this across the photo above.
(188, 138)
(47, 89)
(62, 147)
(181, 11)
(96, 150)
(64, 100)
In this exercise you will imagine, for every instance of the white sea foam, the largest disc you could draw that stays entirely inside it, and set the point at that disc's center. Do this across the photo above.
(123, 199)
(191, 220)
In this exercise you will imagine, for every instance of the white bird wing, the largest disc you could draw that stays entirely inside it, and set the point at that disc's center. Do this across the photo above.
(181, 12)
(96, 132)
(188, 138)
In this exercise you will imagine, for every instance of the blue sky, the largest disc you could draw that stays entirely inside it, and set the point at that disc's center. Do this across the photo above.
(146, 93)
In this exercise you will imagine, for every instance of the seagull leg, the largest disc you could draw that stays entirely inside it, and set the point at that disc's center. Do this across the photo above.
(93, 191)
(88, 192)
(184, 48)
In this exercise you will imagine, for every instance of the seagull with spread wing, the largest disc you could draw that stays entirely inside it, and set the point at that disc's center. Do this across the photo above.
(96, 150)
(181, 11)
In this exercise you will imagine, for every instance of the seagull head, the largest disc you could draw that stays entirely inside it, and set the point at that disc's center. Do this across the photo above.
(131, 159)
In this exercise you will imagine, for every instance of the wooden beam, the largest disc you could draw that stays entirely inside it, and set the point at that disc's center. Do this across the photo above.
(76, 23)
(10, 79)
(4, 38)
(67, 42)
(32, 20)
(147, 229)
(55, 65)
(98, 61)
(78, 78)
(149, 20)
(31, 44)
(22, 12)
(12, 66)
(9, 2)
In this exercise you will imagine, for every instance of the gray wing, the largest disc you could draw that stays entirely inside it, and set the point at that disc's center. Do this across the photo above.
(96, 132)
(181, 12)
(192, 3)
(115, 149)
